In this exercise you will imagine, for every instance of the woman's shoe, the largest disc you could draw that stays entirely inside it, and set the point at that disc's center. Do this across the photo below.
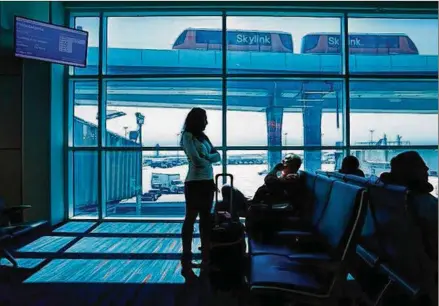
(188, 275)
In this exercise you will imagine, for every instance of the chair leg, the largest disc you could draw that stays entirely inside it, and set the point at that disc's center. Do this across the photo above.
(11, 258)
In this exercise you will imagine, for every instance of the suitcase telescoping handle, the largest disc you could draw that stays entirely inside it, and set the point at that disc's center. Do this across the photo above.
(231, 185)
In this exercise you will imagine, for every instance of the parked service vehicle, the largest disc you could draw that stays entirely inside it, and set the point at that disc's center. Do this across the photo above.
(167, 183)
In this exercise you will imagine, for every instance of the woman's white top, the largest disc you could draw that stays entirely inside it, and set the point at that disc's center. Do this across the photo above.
(199, 158)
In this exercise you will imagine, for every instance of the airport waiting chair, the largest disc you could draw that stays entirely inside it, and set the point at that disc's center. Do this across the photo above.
(392, 262)
(11, 226)
(312, 267)
(371, 248)
(275, 215)
(406, 261)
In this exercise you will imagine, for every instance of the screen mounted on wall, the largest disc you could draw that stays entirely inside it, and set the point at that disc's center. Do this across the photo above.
(47, 42)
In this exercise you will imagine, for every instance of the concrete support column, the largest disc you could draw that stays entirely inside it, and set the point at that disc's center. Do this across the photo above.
(312, 132)
(274, 134)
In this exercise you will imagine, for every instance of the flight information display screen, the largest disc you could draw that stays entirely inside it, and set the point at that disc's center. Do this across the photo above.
(47, 42)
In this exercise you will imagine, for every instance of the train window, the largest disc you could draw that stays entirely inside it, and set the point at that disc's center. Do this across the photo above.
(310, 42)
(388, 42)
(208, 37)
(181, 38)
(287, 41)
(362, 41)
(412, 46)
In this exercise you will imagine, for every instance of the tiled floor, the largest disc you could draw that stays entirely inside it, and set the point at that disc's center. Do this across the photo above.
(111, 263)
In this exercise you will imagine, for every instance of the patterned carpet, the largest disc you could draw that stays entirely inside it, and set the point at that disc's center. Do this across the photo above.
(109, 263)
(109, 271)
(140, 228)
(131, 245)
(75, 227)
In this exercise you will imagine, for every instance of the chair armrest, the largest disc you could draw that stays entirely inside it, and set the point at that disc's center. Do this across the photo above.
(270, 206)
(368, 257)
(4, 236)
(399, 280)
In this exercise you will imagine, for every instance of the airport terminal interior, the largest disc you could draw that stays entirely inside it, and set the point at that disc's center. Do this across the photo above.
(94, 165)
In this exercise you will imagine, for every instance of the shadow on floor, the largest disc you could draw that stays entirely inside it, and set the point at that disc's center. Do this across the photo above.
(199, 293)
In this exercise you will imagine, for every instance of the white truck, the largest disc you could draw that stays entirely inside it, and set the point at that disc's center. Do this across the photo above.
(167, 183)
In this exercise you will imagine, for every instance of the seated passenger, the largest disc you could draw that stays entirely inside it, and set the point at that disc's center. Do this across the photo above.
(409, 169)
(282, 183)
(240, 201)
(351, 165)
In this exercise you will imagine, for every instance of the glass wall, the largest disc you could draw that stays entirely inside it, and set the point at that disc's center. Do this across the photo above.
(321, 86)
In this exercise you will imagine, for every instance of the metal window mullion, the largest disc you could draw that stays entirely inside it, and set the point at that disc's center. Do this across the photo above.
(224, 92)
(346, 90)
(102, 119)
(233, 148)
(69, 113)
(68, 155)
(237, 76)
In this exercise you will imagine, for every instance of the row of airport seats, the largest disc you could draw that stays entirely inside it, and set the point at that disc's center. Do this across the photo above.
(350, 224)
(393, 261)
(13, 227)
(308, 261)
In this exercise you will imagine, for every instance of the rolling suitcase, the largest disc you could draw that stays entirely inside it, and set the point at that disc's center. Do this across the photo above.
(228, 245)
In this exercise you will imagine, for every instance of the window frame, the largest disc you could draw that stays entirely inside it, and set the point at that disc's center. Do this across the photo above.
(344, 14)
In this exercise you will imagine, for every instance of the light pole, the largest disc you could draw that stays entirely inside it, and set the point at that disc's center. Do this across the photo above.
(126, 131)
(286, 141)
(178, 144)
(140, 120)
(371, 136)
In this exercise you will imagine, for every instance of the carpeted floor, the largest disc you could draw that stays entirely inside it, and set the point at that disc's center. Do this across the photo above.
(109, 263)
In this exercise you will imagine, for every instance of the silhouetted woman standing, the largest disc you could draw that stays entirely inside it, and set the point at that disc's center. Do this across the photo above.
(199, 186)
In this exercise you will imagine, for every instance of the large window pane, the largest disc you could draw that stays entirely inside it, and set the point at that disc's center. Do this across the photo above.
(164, 104)
(375, 162)
(162, 181)
(85, 184)
(393, 46)
(394, 112)
(248, 169)
(163, 45)
(281, 45)
(289, 112)
(85, 112)
(91, 25)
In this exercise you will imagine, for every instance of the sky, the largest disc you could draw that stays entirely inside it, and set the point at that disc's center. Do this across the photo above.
(249, 128)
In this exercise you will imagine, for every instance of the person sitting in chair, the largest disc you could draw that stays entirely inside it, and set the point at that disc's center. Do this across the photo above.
(351, 165)
(409, 169)
(282, 183)
(240, 201)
